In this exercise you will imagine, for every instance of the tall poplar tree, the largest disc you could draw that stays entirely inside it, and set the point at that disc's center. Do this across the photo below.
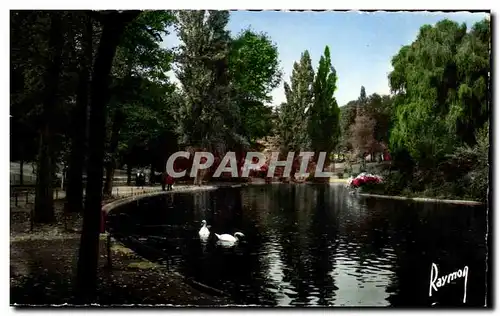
(323, 123)
(208, 119)
(293, 113)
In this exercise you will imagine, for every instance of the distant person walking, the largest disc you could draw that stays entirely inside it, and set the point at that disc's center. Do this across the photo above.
(163, 181)
(170, 182)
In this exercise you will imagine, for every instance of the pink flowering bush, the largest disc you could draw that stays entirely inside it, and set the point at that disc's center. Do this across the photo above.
(363, 179)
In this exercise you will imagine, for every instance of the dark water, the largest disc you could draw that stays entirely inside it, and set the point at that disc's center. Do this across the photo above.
(318, 245)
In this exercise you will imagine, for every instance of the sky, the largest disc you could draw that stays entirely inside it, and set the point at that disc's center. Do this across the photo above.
(361, 44)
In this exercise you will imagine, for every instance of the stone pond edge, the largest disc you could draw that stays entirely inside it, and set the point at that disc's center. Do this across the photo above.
(421, 199)
(416, 199)
(106, 208)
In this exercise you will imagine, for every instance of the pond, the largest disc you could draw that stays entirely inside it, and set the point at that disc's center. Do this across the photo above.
(309, 245)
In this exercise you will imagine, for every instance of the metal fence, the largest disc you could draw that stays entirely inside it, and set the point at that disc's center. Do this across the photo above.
(15, 179)
(30, 180)
(27, 197)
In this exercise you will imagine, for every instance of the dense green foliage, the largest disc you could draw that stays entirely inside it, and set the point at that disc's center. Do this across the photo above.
(254, 70)
(347, 117)
(226, 82)
(365, 124)
(203, 71)
(442, 79)
(222, 102)
(141, 95)
(439, 134)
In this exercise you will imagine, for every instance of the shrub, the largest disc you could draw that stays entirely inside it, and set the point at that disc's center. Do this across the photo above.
(407, 192)
(374, 188)
(394, 183)
(463, 174)
(472, 165)
(479, 184)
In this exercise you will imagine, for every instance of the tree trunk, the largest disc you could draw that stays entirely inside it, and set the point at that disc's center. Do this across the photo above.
(113, 27)
(44, 194)
(110, 173)
(152, 174)
(44, 200)
(21, 172)
(129, 174)
(74, 193)
(111, 165)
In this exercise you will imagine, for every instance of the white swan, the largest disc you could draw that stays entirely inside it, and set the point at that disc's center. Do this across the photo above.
(204, 232)
(228, 240)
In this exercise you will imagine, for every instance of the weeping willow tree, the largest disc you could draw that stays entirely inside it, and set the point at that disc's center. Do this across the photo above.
(441, 107)
(441, 81)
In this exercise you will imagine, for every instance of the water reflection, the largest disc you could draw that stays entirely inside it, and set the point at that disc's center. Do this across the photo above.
(318, 245)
